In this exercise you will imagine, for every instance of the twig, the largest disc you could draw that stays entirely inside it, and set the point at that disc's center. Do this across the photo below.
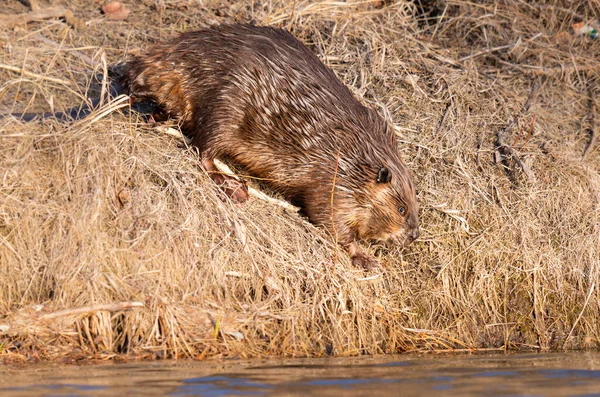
(10, 21)
(34, 75)
(110, 307)
(593, 127)
(503, 149)
(176, 133)
(487, 51)
(443, 120)
(104, 92)
(531, 98)
(530, 132)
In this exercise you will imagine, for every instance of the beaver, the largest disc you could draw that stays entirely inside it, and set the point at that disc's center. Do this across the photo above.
(258, 97)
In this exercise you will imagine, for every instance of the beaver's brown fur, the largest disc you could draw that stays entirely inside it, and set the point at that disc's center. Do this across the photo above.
(259, 97)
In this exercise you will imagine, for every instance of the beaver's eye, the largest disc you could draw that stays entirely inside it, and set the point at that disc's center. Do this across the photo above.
(402, 210)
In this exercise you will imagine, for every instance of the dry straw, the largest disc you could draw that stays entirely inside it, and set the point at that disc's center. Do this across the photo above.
(113, 241)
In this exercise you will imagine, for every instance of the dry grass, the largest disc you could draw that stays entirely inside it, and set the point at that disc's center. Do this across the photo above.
(109, 210)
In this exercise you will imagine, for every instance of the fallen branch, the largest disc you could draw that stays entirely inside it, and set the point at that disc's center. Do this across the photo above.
(109, 307)
(10, 21)
(34, 75)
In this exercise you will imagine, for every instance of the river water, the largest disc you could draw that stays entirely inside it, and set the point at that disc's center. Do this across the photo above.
(553, 374)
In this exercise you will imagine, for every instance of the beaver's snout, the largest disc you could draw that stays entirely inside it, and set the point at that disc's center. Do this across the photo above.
(412, 235)
(404, 237)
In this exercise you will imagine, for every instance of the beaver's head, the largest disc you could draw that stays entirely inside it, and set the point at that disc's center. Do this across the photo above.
(388, 207)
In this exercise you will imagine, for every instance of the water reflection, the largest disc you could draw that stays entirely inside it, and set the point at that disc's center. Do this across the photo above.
(552, 375)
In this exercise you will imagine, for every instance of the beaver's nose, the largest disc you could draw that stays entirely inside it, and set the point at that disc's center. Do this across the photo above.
(413, 235)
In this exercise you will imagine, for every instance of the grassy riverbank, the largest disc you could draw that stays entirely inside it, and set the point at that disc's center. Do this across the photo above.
(494, 105)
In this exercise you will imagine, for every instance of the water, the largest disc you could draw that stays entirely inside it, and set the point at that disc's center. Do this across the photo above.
(560, 374)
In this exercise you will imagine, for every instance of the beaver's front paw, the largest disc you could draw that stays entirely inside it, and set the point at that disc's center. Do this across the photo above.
(365, 261)
(236, 190)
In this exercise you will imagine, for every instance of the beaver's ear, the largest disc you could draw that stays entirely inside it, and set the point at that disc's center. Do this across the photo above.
(384, 175)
